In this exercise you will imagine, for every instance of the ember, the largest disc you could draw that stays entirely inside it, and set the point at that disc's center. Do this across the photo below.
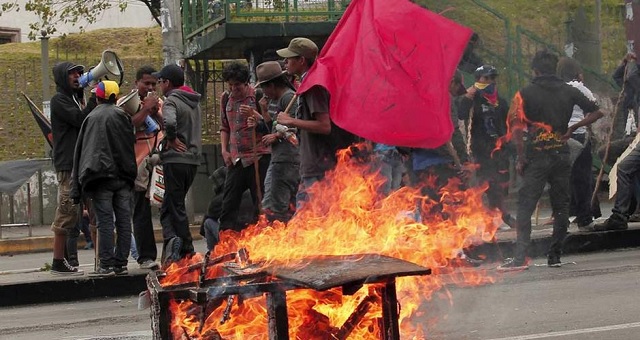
(346, 216)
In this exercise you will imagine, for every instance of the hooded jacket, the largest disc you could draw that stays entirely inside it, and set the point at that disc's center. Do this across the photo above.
(104, 150)
(66, 117)
(182, 120)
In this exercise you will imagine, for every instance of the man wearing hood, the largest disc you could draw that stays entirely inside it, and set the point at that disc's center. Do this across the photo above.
(543, 109)
(180, 155)
(68, 111)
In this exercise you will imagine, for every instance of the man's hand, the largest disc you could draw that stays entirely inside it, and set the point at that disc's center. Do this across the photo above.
(631, 56)
(177, 145)
(150, 103)
(471, 92)
(569, 133)
(269, 139)
(251, 122)
(264, 103)
(226, 157)
(284, 119)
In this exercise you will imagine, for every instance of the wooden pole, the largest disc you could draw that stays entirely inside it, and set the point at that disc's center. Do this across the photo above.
(594, 195)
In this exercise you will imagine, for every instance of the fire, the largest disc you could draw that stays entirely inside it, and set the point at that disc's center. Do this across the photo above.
(518, 123)
(345, 216)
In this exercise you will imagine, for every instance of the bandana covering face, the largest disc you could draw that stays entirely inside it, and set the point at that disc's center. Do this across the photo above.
(489, 92)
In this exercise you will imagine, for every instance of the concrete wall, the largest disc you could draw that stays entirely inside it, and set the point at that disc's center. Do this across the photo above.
(44, 197)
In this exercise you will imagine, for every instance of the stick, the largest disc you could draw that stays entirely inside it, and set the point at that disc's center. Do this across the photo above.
(256, 171)
(454, 154)
(603, 161)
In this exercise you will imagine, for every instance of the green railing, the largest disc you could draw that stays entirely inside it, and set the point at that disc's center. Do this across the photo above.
(524, 52)
(200, 16)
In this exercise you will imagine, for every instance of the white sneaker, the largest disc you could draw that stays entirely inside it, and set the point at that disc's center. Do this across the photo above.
(148, 264)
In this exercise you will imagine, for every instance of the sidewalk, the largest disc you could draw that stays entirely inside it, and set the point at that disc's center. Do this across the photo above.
(16, 240)
(22, 281)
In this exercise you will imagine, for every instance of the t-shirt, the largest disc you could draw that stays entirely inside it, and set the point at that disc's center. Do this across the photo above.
(316, 151)
(282, 151)
(548, 105)
(578, 114)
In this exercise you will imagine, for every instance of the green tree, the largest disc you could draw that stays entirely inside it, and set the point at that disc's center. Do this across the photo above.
(53, 13)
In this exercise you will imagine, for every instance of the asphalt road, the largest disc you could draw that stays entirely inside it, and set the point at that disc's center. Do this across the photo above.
(595, 298)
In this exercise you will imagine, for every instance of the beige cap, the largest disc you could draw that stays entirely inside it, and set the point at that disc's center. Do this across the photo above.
(299, 47)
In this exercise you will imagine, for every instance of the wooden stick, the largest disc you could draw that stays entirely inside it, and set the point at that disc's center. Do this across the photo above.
(603, 161)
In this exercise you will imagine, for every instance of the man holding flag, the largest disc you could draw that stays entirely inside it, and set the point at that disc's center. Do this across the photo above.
(397, 87)
(317, 136)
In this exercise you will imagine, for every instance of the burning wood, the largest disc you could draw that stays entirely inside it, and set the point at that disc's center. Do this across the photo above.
(287, 285)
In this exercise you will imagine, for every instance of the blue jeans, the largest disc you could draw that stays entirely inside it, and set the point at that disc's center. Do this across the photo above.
(280, 188)
(303, 195)
(111, 198)
(392, 168)
(211, 232)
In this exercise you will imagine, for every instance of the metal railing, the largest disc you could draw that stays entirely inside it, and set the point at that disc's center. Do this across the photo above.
(200, 16)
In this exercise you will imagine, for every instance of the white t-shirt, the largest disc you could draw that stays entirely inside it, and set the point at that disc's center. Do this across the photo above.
(578, 114)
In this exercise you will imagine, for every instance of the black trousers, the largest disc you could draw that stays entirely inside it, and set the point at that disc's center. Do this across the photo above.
(628, 171)
(173, 213)
(238, 180)
(553, 167)
(143, 227)
(582, 185)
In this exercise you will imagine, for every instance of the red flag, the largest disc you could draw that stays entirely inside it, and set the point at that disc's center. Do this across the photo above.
(388, 65)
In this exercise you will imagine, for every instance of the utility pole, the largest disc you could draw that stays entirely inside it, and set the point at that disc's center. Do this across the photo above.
(46, 110)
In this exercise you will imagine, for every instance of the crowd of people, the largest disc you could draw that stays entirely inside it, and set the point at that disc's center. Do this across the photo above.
(276, 144)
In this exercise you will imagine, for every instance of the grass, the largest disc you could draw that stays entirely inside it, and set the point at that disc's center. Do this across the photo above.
(21, 71)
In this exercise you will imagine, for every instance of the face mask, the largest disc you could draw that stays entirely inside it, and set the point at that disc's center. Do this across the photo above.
(485, 88)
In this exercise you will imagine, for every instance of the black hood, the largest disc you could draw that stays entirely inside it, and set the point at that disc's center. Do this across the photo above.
(61, 77)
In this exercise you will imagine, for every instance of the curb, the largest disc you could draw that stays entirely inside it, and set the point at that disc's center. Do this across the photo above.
(575, 243)
(39, 244)
(71, 289)
(57, 289)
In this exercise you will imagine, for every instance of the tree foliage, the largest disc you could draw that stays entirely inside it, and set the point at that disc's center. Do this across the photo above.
(77, 13)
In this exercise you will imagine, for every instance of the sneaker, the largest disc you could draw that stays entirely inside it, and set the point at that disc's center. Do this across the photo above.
(511, 264)
(148, 264)
(120, 270)
(634, 218)
(172, 250)
(509, 220)
(614, 222)
(88, 246)
(586, 227)
(553, 261)
(73, 262)
(62, 267)
(103, 272)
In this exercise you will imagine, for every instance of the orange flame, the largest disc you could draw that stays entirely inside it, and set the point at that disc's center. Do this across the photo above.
(347, 215)
(517, 122)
